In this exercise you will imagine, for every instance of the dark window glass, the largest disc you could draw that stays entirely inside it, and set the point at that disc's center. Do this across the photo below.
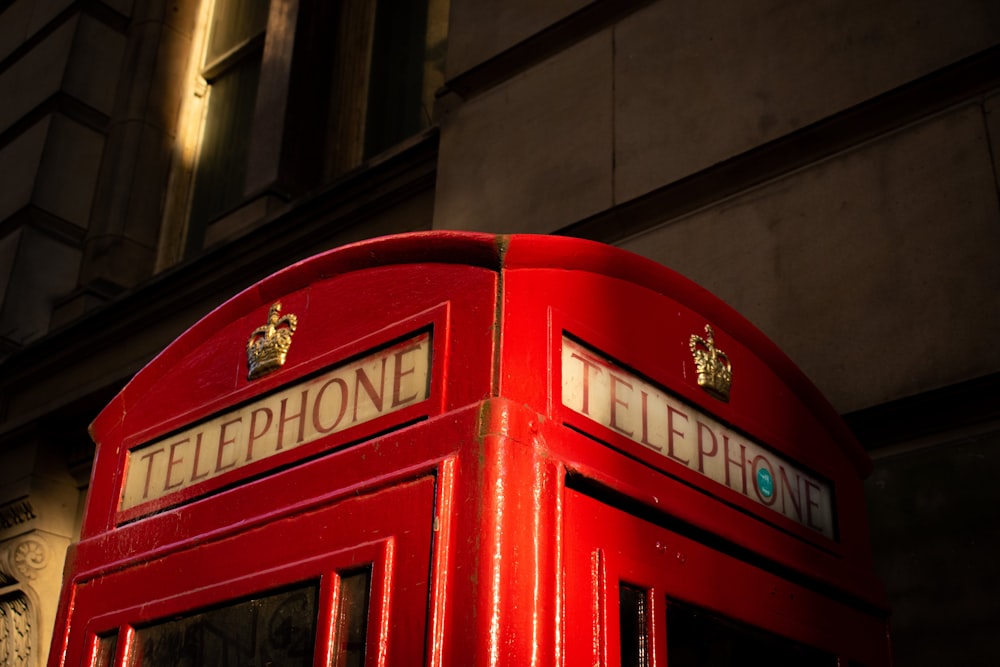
(278, 630)
(222, 160)
(632, 614)
(106, 647)
(407, 66)
(698, 639)
(233, 23)
(232, 69)
(395, 105)
(352, 619)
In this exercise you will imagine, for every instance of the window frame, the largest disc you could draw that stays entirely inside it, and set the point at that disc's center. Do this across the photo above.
(299, 141)
(395, 547)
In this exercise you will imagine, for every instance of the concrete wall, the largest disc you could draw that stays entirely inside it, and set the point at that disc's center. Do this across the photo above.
(936, 546)
(867, 268)
(58, 79)
(670, 90)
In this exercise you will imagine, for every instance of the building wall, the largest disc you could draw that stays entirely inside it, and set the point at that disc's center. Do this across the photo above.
(830, 169)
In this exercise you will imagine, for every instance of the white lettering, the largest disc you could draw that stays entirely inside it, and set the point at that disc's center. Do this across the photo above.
(377, 385)
(606, 394)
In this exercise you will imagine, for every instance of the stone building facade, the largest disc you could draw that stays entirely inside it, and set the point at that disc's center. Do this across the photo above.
(829, 168)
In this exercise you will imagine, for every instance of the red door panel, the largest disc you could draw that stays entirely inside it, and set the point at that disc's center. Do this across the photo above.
(353, 574)
(623, 575)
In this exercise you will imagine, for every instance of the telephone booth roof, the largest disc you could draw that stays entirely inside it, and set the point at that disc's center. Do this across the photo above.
(498, 253)
(472, 419)
(494, 310)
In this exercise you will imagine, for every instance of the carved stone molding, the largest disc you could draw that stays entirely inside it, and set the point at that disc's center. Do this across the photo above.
(16, 512)
(28, 557)
(16, 630)
(22, 560)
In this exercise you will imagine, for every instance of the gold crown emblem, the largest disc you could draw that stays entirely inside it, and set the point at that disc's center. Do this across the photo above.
(715, 373)
(268, 344)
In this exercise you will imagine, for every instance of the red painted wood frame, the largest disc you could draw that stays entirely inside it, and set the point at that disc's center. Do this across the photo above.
(499, 520)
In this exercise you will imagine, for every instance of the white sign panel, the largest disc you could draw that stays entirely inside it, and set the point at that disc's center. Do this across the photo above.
(614, 398)
(352, 394)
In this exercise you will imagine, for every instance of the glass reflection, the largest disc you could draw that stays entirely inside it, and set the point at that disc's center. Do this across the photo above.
(352, 619)
(277, 631)
(632, 619)
(105, 654)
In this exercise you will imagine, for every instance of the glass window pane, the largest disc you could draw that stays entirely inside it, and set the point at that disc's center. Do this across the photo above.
(234, 22)
(106, 647)
(221, 169)
(278, 630)
(352, 619)
(407, 67)
(632, 614)
(696, 638)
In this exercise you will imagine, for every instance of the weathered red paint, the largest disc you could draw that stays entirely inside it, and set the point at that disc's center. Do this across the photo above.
(498, 522)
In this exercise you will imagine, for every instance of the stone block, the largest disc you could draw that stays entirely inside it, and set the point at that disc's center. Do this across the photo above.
(875, 270)
(242, 220)
(142, 49)
(935, 538)
(697, 82)
(44, 11)
(24, 18)
(14, 26)
(144, 160)
(533, 154)
(114, 262)
(992, 110)
(39, 74)
(36, 498)
(67, 176)
(154, 75)
(95, 64)
(44, 270)
(181, 15)
(37, 559)
(8, 254)
(480, 29)
(169, 79)
(124, 7)
(19, 163)
(78, 304)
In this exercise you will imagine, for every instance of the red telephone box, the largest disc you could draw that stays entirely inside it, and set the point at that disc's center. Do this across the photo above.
(465, 449)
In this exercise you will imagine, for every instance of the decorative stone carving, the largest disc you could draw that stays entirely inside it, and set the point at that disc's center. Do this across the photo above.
(15, 630)
(16, 512)
(22, 560)
(28, 557)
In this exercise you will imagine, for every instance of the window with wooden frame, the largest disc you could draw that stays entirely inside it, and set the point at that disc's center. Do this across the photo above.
(289, 95)
(231, 69)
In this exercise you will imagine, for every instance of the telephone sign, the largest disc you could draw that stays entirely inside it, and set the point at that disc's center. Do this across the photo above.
(351, 394)
(681, 433)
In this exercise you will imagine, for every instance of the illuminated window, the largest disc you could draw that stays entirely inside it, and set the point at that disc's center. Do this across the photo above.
(232, 70)
(290, 95)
